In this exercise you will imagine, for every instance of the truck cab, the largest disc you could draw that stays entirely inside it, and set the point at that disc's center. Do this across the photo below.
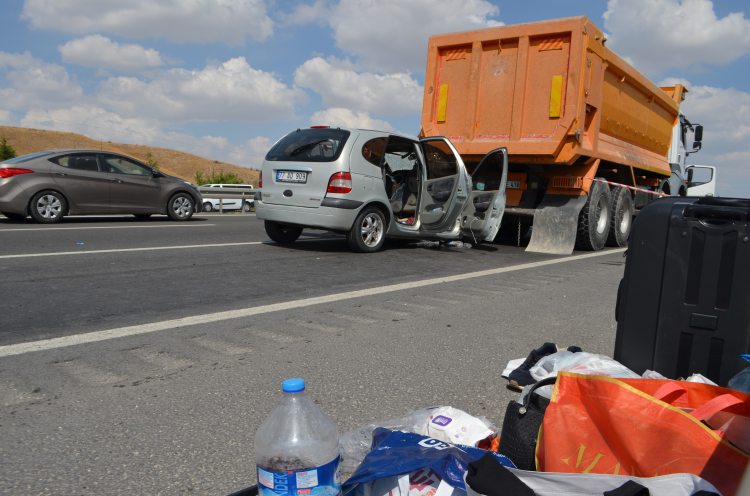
(688, 180)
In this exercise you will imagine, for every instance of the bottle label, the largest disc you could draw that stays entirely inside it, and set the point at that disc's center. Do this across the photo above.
(320, 481)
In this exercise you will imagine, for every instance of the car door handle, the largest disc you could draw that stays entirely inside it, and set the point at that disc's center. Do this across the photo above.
(113, 179)
(61, 174)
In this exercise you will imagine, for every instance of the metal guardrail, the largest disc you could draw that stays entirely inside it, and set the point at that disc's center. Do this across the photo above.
(228, 194)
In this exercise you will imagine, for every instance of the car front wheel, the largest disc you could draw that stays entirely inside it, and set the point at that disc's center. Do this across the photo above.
(180, 207)
(48, 207)
(208, 207)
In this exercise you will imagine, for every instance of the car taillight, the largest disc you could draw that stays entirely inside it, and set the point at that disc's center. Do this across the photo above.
(341, 182)
(260, 180)
(10, 172)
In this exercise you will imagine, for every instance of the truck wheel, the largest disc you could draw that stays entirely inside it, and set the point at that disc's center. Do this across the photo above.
(282, 234)
(622, 217)
(594, 219)
(367, 235)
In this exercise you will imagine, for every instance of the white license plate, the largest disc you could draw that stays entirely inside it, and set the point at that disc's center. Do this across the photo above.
(291, 177)
(513, 185)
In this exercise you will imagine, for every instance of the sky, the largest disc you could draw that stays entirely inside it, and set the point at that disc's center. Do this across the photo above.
(225, 79)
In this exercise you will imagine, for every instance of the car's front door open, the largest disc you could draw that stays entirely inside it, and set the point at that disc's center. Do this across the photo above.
(482, 214)
(445, 187)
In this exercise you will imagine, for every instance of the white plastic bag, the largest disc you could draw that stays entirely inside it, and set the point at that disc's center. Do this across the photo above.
(580, 363)
(700, 378)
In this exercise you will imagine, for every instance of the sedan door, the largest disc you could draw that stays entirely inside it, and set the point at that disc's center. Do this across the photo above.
(134, 189)
(482, 214)
(445, 187)
(83, 183)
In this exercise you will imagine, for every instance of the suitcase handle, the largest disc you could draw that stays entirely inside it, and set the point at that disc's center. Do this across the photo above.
(719, 213)
(724, 202)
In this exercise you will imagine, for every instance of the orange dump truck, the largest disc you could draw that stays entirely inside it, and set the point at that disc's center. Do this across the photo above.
(572, 114)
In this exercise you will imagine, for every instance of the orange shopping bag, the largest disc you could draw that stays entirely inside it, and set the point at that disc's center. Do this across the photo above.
(600, 425)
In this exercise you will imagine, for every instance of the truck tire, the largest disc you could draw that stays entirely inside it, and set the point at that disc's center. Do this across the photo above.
(594, 219)
(281, 233)
(621, 216)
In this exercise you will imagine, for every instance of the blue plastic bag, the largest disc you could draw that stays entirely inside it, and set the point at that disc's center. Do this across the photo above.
(398, 453)
(741, 382)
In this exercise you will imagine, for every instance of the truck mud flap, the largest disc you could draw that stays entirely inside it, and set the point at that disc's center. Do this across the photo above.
(556, 224)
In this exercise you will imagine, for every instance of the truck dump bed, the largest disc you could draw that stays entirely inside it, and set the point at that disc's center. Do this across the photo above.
(552, 93)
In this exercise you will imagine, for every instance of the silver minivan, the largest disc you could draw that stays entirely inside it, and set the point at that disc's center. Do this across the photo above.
(372, 184)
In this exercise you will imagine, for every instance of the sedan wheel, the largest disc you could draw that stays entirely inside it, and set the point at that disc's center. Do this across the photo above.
(180, 207)
(48, 207)
(207, 207)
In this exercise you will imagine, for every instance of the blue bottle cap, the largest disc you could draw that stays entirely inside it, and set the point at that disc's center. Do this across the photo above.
(293, 385)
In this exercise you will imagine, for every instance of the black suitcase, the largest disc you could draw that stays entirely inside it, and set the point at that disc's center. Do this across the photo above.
(683, 306)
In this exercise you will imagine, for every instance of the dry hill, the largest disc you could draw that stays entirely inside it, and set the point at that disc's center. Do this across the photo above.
(171, 162)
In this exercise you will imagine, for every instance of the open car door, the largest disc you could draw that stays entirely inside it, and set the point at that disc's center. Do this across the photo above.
(445, 187)
(482, 214)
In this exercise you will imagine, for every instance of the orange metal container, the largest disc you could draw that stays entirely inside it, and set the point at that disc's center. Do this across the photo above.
(554, 95)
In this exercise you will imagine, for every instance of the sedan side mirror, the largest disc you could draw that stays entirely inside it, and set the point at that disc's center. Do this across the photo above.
(156, 173)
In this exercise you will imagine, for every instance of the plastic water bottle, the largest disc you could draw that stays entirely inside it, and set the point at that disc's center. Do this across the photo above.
(297, 448)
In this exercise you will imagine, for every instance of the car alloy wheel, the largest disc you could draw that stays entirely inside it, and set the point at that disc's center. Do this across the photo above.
(207, 207)
(181, 207)
(49, 206)
(372, 230)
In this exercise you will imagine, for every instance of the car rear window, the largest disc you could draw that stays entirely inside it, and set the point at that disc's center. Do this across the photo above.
(25, 158)
(309, 145)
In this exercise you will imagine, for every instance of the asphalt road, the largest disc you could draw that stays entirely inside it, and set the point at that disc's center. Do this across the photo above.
(162, 345)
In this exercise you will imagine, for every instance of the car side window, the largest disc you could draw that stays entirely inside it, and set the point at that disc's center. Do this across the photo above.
(373, 150)
(121, 165)
(79, 161)
(441, 162)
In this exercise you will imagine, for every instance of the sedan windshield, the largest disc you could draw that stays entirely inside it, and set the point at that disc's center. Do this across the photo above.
(309, 145)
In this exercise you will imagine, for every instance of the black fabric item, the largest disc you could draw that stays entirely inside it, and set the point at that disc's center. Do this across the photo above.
(521, 376)
(574, 349)
(630, 488)
(487, 476)
(521, 427)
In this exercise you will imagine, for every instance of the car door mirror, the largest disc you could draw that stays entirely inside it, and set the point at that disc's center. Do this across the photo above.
(156, 173)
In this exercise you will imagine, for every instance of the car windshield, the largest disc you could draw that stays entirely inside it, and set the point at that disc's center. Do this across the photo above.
(309, 145)
(26, 158)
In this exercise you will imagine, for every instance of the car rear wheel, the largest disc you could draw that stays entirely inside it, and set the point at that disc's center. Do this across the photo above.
(282, 233)
(367, 235)
(48, 207)
(180, 207)
(14, 217)
(208, 207)
(247, 207)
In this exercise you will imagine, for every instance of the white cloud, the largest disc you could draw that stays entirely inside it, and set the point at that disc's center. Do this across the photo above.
(35, 83)
(661, 34)
(202, 21)
(344, 117)
(340, 86)
(98, 51)
(725, 115)
(391, 35)
(230, 91)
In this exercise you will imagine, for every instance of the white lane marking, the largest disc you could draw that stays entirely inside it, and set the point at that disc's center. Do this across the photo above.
(101, 227)
(92, 337)
(123, 250)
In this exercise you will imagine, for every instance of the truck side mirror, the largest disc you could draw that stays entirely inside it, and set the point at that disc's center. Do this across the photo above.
(698, 135)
